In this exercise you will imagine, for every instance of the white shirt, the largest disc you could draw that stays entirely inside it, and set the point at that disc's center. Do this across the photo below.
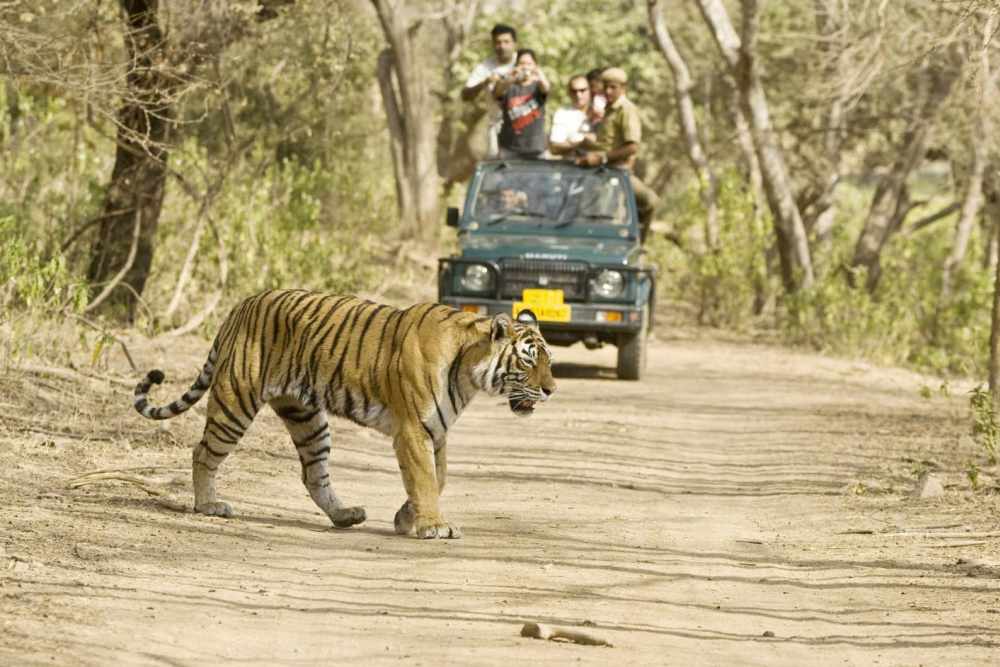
(568, 125)
(482, 71)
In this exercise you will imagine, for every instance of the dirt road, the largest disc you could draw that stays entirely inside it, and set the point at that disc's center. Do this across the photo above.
(741, 505)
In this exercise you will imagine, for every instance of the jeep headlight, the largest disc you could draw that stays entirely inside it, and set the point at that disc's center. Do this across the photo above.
(475, 278)
(607, 284)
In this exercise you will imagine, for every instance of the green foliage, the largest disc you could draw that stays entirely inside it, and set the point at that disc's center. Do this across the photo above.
(284, 238)
(288, 224)
(32, 281)
(904, 321)
(972, 473)
(274, 153)
(723, 284)
(34, 287)
(985, 428)
(834, 317)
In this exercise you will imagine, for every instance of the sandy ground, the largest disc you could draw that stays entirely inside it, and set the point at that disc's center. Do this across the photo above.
(741, 505)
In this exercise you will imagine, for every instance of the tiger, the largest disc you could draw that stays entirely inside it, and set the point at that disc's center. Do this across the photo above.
(406, 373)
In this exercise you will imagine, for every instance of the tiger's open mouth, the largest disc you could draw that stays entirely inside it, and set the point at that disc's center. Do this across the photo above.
(522, 407)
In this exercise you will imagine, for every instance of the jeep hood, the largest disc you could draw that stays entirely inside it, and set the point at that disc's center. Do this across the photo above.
(534, 246)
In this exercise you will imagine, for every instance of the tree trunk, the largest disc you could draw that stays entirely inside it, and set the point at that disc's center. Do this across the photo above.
(936, 81)
(745, 141)
(994, 371)
(708, 183)
(971, 205)
(140, 169)
(13, 112)
(819, 218)
(991, 212)
(738, 53)
(461, 136)
(981, 139)
(411, 114)
(397, 139)
(755, 182)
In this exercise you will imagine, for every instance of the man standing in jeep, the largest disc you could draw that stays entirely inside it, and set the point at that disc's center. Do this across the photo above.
(486, 75)
(616, 143)
(571, 124)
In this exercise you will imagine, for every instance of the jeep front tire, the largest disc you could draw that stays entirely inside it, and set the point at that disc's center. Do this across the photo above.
(632, 350)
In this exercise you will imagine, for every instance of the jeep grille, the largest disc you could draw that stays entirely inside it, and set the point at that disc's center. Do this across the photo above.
(518, 274)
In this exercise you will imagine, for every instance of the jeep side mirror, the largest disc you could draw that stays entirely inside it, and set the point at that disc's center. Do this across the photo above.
(452, 218)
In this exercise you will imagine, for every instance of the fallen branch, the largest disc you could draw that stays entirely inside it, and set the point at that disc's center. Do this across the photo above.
(90, 478)
(64, 434)
(105, 471)
(106, 378)
(69, 375)
(161, 498)
(959, 536)
(542, 631)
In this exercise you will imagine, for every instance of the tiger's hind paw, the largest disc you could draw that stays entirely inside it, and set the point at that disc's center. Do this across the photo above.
(406, 519)
(440, 531)
(348, 516)
(216, 508)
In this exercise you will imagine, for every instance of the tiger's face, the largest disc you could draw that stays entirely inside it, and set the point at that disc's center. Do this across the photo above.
(523, 373)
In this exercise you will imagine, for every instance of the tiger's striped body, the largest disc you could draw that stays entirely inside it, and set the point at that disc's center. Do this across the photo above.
(406, 373)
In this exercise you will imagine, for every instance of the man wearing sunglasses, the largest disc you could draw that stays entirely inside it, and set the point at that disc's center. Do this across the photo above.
(571, 124)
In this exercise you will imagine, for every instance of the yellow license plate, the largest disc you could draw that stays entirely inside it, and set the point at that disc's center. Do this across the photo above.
(546, 304)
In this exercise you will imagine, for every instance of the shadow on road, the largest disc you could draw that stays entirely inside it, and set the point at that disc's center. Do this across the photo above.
(583, 372)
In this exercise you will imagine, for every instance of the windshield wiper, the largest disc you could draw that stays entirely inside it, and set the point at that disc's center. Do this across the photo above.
(516, 211)
(585, 216)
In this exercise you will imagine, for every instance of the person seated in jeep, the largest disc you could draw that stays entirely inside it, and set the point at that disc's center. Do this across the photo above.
(511, 199)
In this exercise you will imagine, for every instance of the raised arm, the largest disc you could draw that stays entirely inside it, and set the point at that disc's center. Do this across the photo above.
(470, 92)
(543, 81)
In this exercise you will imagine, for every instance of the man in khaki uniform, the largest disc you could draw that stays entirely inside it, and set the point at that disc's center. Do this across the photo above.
(616, 143)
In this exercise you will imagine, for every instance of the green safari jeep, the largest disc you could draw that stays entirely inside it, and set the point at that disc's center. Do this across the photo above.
(562, 241)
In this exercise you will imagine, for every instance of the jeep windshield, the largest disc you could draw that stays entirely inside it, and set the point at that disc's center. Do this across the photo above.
(550, 195)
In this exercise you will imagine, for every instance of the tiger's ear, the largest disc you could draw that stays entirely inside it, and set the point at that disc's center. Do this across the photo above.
(502, 327)
(527, 316)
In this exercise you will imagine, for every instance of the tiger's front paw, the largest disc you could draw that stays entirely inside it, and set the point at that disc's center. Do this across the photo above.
(347, 516)
(215, 508)
(438, 530)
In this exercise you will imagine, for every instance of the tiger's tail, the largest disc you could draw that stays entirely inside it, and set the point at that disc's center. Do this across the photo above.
(182, 404)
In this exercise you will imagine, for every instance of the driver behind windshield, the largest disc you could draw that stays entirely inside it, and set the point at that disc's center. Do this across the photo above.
(502, 200)
(511, 199)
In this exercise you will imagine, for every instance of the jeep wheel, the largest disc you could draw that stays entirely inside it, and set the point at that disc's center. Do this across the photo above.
(632, 350)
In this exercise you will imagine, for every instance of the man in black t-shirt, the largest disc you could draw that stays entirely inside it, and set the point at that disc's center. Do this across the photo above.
(522, 98)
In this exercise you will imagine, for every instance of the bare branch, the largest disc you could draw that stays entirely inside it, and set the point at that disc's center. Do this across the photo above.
(213, 302)
(928, 220)
(125, 269)
(682, 85)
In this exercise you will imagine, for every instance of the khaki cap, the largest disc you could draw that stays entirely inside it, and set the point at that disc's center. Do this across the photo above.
(614, 75)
